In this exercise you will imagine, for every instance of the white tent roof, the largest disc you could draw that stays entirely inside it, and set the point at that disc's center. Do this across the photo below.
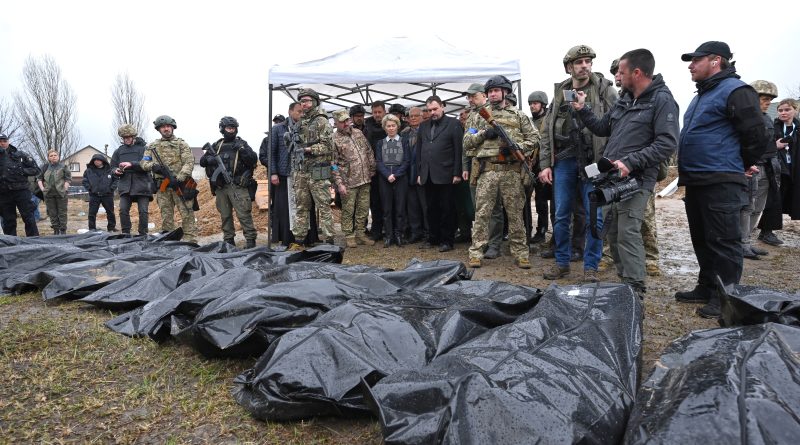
(403, 70)
(397, 60)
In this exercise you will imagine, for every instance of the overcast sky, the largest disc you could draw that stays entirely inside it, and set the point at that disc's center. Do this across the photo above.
(198, 61)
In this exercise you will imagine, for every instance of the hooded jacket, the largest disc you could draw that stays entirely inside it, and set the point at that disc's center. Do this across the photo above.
(641, 131)
(99, 181)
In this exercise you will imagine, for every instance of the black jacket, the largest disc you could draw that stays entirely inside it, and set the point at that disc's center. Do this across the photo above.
(99, 181)
(134, 181)
(237, 156)
(439, 157)
(641, 132)
(15, 167)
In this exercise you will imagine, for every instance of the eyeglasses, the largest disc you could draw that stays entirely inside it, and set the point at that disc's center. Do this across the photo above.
(302, 101)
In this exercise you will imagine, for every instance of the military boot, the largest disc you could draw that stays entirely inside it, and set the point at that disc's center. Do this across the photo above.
(363, 239)
(522, 263)
(556, 272)
(700, 294)
(712, 309)
(350, 242)
(474, 262)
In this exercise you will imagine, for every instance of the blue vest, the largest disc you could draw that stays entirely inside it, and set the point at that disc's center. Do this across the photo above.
(709, 142)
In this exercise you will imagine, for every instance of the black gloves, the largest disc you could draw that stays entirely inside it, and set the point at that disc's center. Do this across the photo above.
(490, 133)
(159, 169)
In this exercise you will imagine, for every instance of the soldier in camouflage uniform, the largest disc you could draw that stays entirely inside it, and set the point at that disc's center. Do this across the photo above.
(537, 102)
(239, 161)
(178, 159)
(500, 171)
(353, 168)
(312, 159)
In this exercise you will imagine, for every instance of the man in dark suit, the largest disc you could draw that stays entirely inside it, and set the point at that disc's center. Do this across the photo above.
(439, 146)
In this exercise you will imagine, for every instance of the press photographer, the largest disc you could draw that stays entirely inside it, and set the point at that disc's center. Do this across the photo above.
(642, 130)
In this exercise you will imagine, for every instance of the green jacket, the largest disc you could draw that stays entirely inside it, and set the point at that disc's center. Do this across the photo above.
(53, 178)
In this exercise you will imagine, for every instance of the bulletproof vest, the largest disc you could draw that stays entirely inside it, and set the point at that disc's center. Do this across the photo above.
(392, 152)
(228, 156)
(563, 125)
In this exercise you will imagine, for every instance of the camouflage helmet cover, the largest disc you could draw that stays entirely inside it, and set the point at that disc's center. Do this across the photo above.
(577, 52)
(164, 120)
(614, 67)
(127, 130)
(308, 92)
(538, 96)
(765, 87)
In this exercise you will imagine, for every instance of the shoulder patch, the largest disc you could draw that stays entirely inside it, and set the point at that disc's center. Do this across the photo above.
(147, 158)
(670, 117)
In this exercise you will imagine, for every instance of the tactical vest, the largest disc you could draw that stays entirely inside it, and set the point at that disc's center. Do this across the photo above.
(509, 118)
(392, 152)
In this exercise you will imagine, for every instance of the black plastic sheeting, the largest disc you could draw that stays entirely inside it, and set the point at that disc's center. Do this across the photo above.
(566, 372)
(317, 370)
(246, 322)
(730, 385)
(155, 281)
(748, 305)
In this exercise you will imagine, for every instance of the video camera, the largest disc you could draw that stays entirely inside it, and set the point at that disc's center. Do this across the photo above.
(609, 186)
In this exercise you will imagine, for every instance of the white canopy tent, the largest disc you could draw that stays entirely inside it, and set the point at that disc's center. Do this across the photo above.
(404, 70)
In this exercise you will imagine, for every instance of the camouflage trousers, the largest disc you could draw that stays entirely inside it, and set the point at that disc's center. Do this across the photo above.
(167, 201)
(306, 190)
(506, 186)
(232, 197)
(355, 205)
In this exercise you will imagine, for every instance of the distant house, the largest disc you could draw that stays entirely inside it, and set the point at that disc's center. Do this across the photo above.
(78, 160)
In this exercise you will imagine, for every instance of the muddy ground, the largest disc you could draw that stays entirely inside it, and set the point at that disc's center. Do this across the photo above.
(68, 379)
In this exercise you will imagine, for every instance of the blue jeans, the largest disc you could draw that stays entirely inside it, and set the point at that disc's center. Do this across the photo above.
(565, 185)
(36, 215)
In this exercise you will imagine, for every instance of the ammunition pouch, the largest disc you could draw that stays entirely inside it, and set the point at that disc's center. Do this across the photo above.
(320, 171)
(475, 172)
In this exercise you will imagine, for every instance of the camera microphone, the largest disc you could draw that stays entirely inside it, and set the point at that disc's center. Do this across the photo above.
(601, 166)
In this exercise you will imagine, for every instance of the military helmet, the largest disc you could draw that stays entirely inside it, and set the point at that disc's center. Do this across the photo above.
(577, 52)
(308, 92)
(512, 99)
(164, 120)
(397, 108)
(127, 130)
(537, 96)
(228, 121)
(614, 67)
(497, 82)
(765, 87)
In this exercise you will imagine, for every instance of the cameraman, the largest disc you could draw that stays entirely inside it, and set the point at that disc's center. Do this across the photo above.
(642, 130)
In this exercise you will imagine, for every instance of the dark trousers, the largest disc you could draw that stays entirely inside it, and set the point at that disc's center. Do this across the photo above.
(527, 214)
(542, 194)
(441, 213)
(142, 205)
(417, 210)
(465, 209)
(375, 207)
(713, 214)
(107, 201)
(279, 215)
(393, 197)
(10, 201)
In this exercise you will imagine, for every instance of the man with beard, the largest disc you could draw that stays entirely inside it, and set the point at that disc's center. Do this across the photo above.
(723, 137)
(566, 148)
(642, 131)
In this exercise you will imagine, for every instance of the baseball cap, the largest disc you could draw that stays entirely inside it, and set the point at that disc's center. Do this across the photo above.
(3, 136)
(278, 118)
(341, 115)
(712, 47)
(474, 88)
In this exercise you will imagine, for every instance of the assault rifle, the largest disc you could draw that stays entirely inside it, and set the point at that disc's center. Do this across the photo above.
(513, 147)
(186, 190)
(220, 170)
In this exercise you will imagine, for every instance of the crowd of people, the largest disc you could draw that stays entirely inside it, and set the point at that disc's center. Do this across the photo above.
(588, 160)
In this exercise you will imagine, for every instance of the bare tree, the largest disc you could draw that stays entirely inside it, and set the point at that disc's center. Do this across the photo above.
(46, 109)
(128, 105)
(793, 92)
(9, 124)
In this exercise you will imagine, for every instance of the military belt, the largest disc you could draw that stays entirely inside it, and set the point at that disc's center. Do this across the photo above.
(502, 166)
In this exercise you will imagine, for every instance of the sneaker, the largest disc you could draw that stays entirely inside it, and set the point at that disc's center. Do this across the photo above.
(711, 309)
(492, 253)
(653, 270)
(590, 276)
(522, 263)
(556, 272)
(758, 251)
(748, 253)
(770, 238)
(537, 238)
(700, 294)
(474, 262)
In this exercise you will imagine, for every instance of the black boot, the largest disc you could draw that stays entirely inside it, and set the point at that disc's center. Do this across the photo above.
(250, 244)
(711, 309)
(230, 241)
(398, 239)
(700, 294)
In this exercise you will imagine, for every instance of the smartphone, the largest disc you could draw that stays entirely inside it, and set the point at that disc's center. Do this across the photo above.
(786, 140)
(570, 96)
